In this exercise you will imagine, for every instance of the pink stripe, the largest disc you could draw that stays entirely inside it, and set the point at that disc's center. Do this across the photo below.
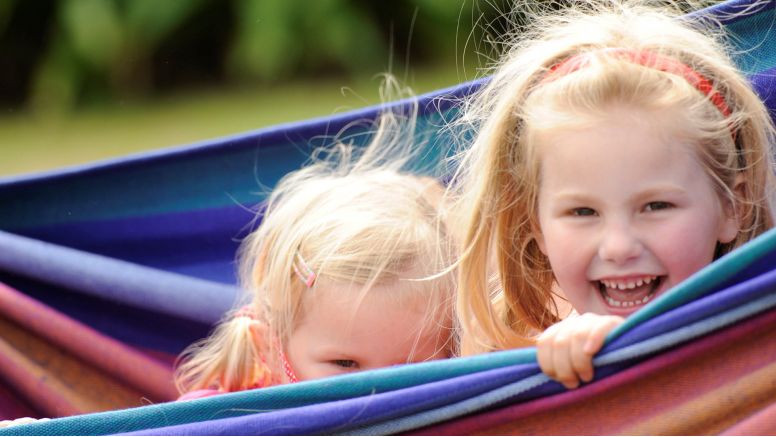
(20, 375)
(146, 375)
(11, 407)
(762, 422)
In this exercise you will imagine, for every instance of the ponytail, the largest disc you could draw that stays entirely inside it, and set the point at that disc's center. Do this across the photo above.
(233, 358)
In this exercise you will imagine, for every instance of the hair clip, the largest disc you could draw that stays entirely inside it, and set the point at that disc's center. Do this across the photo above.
(305, 273)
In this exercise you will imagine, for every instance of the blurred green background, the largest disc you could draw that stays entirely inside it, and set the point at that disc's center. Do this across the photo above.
(84, 80)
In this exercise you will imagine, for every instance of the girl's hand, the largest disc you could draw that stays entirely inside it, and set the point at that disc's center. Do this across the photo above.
(565, 350)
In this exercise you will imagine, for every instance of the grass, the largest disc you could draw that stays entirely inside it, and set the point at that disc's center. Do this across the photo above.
(30, 143)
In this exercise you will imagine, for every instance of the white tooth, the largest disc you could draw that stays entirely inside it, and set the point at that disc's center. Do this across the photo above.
(646, 299)
(617, 303)
(639, 283)
(647, 280)
(631, 285)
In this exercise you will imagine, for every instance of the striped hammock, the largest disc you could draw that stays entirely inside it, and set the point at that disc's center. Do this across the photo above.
(107, 271)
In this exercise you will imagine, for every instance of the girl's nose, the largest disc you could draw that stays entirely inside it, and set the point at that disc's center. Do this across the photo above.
(619, 244)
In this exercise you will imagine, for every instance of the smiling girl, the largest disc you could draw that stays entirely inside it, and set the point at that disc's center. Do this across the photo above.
(618, 152)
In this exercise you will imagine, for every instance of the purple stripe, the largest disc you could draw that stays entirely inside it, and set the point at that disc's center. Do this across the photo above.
(142, 328)
(764, 83)
(172, 242)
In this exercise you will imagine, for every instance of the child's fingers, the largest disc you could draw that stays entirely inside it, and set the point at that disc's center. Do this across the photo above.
(598, 332)
(544, 352)
(581, 361)
(561, 360)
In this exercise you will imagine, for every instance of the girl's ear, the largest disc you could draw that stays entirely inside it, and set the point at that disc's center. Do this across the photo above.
(731, 210)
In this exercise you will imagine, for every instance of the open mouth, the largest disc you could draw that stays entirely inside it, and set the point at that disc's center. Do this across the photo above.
(631, 292)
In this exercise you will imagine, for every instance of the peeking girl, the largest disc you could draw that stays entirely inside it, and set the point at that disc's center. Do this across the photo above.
(342, 275)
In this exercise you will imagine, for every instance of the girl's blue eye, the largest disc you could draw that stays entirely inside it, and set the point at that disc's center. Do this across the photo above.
(656, 206)
(346, 364)
(583, 212)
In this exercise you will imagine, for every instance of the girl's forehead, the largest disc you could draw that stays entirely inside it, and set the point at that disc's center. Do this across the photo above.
(348, 304)
(670, 128)
(667, 119)
(623, 135)
(407, 292)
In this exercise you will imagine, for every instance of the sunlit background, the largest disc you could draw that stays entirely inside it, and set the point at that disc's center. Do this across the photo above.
(85, 80)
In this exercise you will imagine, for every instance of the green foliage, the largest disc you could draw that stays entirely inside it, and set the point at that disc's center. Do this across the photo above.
(6, 7)
(92, 29)
(274, 39)
(265, 43)
(101, 49)
(148, 22)
(102, 46)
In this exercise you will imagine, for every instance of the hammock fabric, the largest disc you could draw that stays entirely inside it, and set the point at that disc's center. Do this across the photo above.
(108, 271)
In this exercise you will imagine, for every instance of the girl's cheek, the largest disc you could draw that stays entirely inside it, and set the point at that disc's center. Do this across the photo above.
(684, 248)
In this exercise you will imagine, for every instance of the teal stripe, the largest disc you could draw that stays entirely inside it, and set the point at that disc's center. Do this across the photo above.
(754, 41)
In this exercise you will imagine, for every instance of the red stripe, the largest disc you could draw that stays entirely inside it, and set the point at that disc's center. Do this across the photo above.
(145, 374)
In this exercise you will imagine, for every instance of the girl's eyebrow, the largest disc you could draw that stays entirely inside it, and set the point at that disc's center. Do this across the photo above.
(573, 196)
(661, 190)
(333, 351)
(658, 190)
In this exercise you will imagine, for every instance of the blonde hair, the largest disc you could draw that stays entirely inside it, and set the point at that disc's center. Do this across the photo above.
(352, 216)
(497, 179)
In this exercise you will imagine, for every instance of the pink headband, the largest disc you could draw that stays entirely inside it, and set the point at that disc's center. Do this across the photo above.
(647, 59)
